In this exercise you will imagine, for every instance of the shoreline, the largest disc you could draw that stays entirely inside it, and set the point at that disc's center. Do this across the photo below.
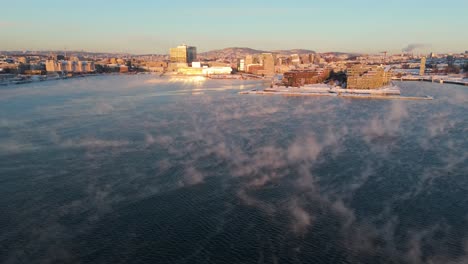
(29, 79)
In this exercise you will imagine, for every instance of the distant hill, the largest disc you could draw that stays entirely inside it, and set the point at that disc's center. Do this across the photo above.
(62, 52)
(336, 53)
(229, 53)
(293, 51)
(235, 52)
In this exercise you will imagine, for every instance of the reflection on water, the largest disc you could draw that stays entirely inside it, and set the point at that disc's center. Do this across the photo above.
(136, 169)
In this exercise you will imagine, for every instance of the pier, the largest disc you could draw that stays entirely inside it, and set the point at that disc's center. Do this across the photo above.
(387, 93)
(432, 79)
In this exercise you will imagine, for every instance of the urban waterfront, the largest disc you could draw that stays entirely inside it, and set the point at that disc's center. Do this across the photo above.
(144, 169)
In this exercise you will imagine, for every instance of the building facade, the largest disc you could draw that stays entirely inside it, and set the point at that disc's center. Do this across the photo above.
(304, 77)
(367, 77)
(183, 54)
(422, 67)
(70, 66)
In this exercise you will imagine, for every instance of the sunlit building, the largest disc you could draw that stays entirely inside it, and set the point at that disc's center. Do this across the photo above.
(305, 77)
(422, 67)
(268, 61)
(262, 64)
(183, 54)
(70, 66)
(241, 65)
(368, 77)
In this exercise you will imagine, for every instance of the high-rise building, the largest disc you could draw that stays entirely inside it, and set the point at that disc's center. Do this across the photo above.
(422, 67)
(183, 54)
(269, 60)
(241, 65)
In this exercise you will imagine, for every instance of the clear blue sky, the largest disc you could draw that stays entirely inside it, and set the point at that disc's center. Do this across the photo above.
(145, 26)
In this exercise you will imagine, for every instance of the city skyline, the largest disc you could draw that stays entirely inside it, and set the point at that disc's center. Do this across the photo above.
(146, 27)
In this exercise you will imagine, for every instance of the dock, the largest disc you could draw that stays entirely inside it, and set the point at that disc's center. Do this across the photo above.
(387, 93)
(441, 80)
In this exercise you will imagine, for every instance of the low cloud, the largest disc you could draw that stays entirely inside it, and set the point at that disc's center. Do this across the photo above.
(103, 108)
(301, 219)
(192, 176)
(94, 143)
(387, 124)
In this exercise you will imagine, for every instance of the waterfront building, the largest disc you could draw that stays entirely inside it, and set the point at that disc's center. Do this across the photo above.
(204, 71)
(368, 77)
(154, 66)
(304, 77)
(81, 66)
(254, 68)
(123, 69)
(217, 71)
(173, 66)
(70, 66)
(51, 66)
(90, 67)
(183, 54)
(190, 71)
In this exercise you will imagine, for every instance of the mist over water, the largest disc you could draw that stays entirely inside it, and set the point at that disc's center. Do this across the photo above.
(141, 169)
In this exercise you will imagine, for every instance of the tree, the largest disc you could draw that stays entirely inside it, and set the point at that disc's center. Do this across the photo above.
(336, 77)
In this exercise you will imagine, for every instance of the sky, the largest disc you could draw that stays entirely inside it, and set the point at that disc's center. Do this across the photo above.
(153, 26)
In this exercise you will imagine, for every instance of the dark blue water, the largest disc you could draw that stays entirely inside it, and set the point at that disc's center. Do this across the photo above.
(137, 169)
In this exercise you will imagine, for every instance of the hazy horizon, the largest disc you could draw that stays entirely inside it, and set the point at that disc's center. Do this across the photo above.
(414, 51)
(152, 27)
